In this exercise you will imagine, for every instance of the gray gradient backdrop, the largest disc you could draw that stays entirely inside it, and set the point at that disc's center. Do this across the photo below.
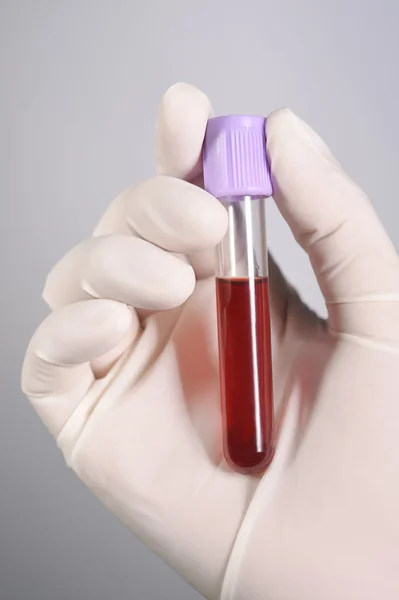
(80, 83)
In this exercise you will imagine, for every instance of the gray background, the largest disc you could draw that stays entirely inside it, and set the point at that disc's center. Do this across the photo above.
(80, 84)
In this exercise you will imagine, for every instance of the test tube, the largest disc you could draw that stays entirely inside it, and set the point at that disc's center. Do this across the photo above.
(236, 171)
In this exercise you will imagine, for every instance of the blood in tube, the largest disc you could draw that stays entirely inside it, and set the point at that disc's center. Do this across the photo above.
(245, 372)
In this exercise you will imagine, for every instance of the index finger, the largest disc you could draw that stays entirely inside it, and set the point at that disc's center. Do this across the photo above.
(183, 114)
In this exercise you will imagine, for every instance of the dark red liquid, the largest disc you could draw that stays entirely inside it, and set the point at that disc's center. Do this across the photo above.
(245, 372)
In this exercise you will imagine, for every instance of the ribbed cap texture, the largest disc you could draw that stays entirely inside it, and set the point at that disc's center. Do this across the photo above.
(235, 159)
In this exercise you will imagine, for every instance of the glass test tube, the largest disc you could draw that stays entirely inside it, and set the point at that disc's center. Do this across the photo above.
(236, 172)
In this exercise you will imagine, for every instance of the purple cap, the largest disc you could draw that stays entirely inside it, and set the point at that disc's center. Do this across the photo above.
(235, 160)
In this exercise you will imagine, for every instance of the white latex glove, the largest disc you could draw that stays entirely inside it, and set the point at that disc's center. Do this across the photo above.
(132, 397)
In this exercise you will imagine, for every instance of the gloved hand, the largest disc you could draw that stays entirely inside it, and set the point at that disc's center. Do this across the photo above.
(124, 373)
